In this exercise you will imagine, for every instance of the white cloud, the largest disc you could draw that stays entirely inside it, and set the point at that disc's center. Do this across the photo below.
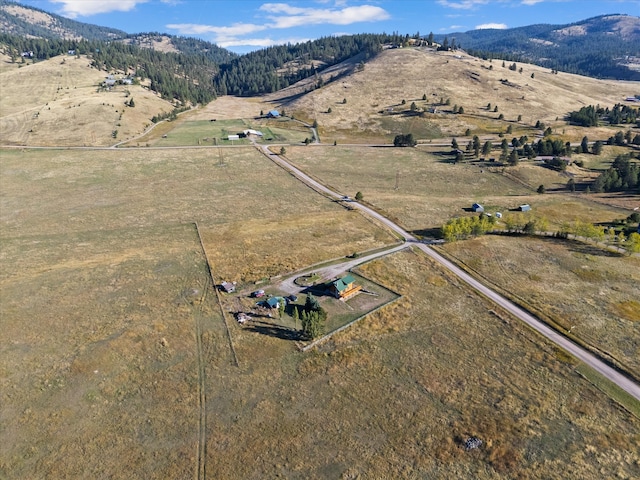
(297, 16)
(462, 4)
(220, 32)
(531, 2)
(85, 8)
(497, 26)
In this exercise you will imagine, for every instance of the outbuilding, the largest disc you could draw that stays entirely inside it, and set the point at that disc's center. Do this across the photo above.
(273, 114)
(476, 207)
(524, 208)
(228, 287)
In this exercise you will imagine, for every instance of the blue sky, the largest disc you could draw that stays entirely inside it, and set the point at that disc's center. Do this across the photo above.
(244, 25)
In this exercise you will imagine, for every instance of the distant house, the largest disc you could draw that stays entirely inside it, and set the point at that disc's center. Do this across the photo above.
(344, 287)
(524, 208)
(498, 215)
(233, 137)
(127, 81)
(476, 207)
(228, 287)
(273, 114)
(631, 99)
(252, 132)
(109, 82)
(28, 54)
(71, 52)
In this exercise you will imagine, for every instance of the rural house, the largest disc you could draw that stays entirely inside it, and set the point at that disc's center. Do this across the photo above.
(524, 208)
(344, 287)
(228, 287)
(476, 207)
(273, 114)
(274, 302)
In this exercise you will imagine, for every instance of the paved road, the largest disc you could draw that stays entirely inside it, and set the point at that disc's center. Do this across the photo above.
(598, 365)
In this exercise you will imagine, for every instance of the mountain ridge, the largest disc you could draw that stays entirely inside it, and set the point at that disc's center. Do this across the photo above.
(606, 46)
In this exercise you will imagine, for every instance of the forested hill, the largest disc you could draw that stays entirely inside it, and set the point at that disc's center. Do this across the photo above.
(274, 68)
(602, 47)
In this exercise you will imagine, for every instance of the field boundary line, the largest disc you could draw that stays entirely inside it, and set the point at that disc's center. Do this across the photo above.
(224, 317)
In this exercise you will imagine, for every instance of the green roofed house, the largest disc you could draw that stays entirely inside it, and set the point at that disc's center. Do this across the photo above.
(274, 302)
(344, 288)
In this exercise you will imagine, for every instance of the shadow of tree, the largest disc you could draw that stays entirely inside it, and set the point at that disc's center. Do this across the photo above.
(277, 331)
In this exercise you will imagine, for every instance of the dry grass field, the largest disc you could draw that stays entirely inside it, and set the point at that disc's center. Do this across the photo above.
(56, 103)
(431, 191)
(593, 293)
(408, 74)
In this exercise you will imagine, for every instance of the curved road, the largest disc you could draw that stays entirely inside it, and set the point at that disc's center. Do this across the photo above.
(580, 353)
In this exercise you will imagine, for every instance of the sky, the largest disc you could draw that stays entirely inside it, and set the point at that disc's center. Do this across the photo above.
(246, 25)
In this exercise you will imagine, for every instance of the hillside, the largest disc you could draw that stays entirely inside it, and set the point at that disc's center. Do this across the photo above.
(59, 102)
(603, 47)
(375, 94)
(29, 22)
(20, 20)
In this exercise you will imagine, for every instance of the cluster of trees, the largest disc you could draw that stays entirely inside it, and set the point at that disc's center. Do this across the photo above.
(404, 140)
(599, 233)
(591, 116)
(465, 227)
(312, 317)
(623, 175)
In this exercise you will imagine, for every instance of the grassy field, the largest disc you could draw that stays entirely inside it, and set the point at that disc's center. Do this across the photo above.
(431, 191)
(100, 362)
(593, 293)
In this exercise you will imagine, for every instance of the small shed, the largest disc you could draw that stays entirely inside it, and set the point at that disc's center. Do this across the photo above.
(476, 207)
(249, 131)
(228, 287)
(524, 208)
(233, 137)
(273, 114)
